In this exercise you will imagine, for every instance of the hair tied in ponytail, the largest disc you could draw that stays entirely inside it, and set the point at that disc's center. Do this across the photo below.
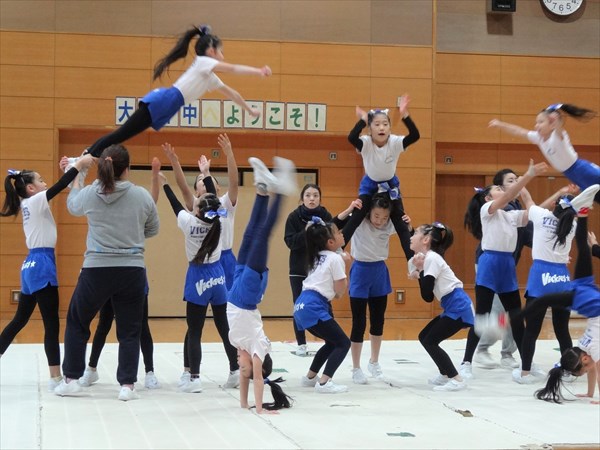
(14, 173)
(220, 211)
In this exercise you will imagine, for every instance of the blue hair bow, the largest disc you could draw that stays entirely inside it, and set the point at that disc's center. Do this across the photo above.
(554, 107)
(316, 220)
(266, 380)
(221, 212)
(14, 172)
(565, 203)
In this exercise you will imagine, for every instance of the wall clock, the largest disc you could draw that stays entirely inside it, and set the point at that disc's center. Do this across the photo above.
(562, 7)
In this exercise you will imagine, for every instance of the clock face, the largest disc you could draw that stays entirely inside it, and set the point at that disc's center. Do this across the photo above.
(562, 7)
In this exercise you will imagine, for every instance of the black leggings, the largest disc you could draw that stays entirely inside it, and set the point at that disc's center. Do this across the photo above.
(377, 307)
(333, 351)
(105, 321)
(296, 285)
(47, 301)
(192, 346)
(560, 323)
(139, 121)
(436, 331)
(395, 215)
(483, 305)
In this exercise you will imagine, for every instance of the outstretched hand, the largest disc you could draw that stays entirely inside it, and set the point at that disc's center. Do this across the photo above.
(254, 112)
(155, 165)
(592, 239)
(361, 114)
(494, 123)
(225, 143)
(266, 71)
(204, 165)
(170, 152)
(403, 106)
(536, 169)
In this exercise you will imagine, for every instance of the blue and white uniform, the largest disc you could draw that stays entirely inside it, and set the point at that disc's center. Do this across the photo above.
(312, 305)
(39, 268)
(204, 283)
(380, 163)
(496, 266)
(549, 272)
(163, 103)
(227, 259)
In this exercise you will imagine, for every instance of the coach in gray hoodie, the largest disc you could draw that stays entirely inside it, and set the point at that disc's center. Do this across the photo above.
(120, 217)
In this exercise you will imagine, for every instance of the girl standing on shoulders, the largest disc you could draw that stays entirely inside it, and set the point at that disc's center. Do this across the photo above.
(160, 105)
(555, 144)
(496, 273)
(437, 280)
(380, 151)
(27, 191)
(251, 276)
(326, 280)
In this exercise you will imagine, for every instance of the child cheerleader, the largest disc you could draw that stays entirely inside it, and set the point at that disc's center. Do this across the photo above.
(437, 280)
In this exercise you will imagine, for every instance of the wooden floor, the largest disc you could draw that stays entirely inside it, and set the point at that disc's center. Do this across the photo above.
(173, 330)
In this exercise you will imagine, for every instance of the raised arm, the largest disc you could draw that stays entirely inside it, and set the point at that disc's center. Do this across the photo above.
(235, 96)
(513, 190)
(550, 201)
(240, 69)
(82, 163)
(509, 128)
(155, 182)
(354, 135)
(232, 169)
(188, 195)
(413, 132)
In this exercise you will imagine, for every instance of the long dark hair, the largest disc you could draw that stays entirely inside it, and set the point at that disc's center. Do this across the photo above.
(442, 236)
(581, 114)
(565, 217)
(112, 163)
(317, 234)
(15, 185)
(204, 42)
(208, 202)
(280, 398)
(472, 221)
(570, 362)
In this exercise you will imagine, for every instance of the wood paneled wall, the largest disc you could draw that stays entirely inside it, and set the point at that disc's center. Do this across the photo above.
(58, 94)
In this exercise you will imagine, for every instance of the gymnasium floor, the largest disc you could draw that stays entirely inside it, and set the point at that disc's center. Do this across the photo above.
(400, 412)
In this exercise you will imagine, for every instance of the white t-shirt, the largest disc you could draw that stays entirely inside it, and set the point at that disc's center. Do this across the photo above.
(500, 229)
(38, 222)
(560, 153)
(380, 162)
(246, 331)
(544, 237)
(195, 231)
(329, 268)
(227, 223)
(590, 341)
(445, 280)
(198, 79)
(369, 244)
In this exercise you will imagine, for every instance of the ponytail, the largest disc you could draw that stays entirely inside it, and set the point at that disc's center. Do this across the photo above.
(208, 208)
(581, 114)
(472, 221)
(317, 234)
(566, 216)
(570, 362)
(112, 163)
(15, 186)
(280, 399)
(180, 50)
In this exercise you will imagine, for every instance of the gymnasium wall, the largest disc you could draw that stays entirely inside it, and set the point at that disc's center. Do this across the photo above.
(61, 68)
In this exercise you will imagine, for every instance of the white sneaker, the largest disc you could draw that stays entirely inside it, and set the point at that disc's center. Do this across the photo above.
(184, 379)
(285, 172)
(309, 382)
(192, 387)
(466, 370)
(262, 175)
(375, 370)
(81, 175)
(358, 376)
(127, 394)
(452, 385)
(485, 360)
(151, 382)
(66, 389)
(509, 362)
(233, 380)
(585, 200)
(519, 378)
(54, 382)
(89, 377)
(330, 388)
(301, 350)
(537, 371)
(438, 380)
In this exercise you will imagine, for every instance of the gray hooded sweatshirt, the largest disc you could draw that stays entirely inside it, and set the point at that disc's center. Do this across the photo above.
(118, 223)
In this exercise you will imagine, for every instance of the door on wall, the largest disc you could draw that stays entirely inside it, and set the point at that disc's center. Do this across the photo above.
(165, 255)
